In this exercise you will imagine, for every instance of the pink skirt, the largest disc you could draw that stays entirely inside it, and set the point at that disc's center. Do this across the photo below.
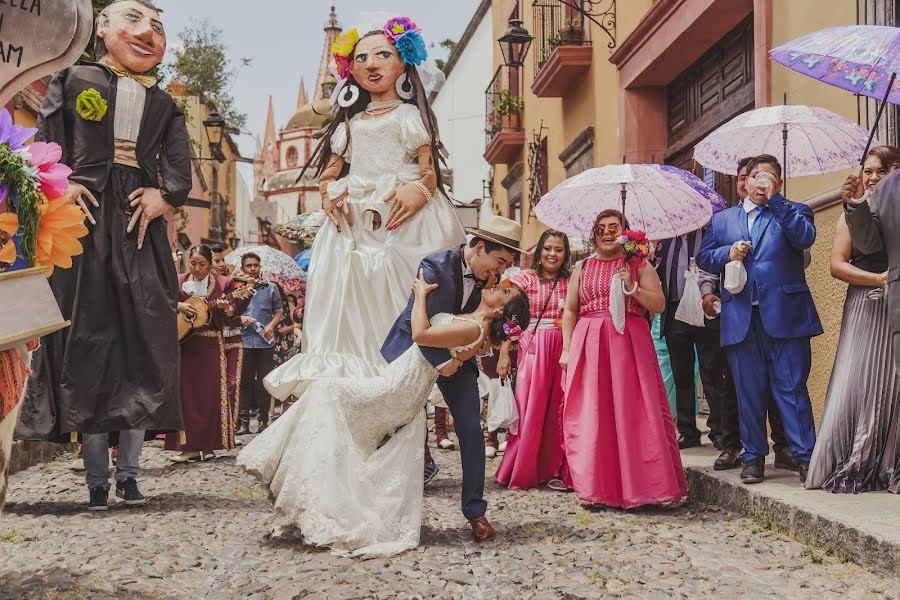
(536, 454)
(618, 432)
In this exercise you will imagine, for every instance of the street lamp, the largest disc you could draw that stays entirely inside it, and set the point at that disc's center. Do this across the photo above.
(234, 241)
(215, 130)
(515, 43)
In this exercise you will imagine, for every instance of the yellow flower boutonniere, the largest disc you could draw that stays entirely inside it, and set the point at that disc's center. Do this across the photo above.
(90, 105)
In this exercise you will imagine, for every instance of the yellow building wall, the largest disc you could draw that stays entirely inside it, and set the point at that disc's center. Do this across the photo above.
(792, 20)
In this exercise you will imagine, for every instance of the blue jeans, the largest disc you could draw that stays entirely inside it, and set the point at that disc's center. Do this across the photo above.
(95, 448)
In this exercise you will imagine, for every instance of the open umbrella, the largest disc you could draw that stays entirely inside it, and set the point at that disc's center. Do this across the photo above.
(661, 200)
(303, 227)
(275, 265)
(812, 140)
(863, 59)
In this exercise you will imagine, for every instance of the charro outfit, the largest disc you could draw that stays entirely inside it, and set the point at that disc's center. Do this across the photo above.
(116, 368)
(207, 396)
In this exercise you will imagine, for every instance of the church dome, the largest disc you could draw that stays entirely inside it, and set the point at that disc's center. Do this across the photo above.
(311, 115)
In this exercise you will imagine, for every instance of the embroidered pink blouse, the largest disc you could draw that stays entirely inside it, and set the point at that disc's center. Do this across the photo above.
(538, 291)
(593, 294)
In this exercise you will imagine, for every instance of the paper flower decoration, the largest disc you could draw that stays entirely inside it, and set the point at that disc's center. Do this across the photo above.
(407, 38)
(342, 51)
(53, 177)
(90, 105)
(12, 134)
(61, 226)
(9, 224)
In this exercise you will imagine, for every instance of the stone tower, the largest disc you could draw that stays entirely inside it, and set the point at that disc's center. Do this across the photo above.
(325, 81)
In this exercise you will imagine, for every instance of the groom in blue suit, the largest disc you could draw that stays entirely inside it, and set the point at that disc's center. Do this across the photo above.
(461, 273)
(766, 328)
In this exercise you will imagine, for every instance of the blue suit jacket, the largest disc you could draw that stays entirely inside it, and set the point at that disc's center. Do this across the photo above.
(775, 268)
(445, 269)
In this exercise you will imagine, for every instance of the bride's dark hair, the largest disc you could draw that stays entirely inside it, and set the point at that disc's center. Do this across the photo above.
(517, 308)
(322, 154)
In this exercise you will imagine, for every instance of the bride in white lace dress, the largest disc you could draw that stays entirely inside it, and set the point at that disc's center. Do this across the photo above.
(326, 460)
(381, 185)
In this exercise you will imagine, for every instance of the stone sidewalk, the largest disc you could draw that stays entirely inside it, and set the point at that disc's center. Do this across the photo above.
(206, 532)
(862, 527)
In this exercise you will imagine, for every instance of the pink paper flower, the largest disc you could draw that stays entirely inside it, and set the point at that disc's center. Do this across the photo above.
(52, 175)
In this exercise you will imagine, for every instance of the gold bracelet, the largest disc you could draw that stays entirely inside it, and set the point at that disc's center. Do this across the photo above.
(424, 189)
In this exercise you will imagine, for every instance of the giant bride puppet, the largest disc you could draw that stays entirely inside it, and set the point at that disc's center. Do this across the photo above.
(380, 179)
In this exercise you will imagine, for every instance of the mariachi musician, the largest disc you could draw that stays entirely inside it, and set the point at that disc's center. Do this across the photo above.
(209, 403)
(115, 370)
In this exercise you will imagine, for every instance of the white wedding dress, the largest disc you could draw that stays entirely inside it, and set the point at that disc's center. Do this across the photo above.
(360, 278)
(325, 468)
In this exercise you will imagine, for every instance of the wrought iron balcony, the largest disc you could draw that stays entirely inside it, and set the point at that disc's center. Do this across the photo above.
(504, 135)
(562, 46)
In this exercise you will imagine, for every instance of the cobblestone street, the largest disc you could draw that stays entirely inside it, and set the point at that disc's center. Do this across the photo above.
(206, 533)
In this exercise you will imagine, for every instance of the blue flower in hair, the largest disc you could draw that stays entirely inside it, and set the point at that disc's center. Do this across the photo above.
(411, 48)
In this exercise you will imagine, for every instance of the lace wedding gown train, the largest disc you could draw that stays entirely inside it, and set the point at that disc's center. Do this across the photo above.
(325, 468)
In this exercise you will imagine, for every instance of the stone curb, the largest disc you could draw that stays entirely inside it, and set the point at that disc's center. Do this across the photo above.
(874, 552)
(29, 454)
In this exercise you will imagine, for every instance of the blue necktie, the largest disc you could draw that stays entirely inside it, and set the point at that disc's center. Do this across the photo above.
(757, 226)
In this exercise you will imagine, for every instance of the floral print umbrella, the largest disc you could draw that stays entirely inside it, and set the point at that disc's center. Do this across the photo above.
(662, 201)
(858, 58)
(276, 266)
(816, 141)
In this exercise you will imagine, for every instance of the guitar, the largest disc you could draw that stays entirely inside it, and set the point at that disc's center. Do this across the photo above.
(187, 324)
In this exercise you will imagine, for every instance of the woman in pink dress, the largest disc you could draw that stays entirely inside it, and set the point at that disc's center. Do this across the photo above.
(535, 455)
(619, 437)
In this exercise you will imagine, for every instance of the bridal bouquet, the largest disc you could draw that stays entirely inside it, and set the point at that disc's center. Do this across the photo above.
(38, 227)
(636, 246)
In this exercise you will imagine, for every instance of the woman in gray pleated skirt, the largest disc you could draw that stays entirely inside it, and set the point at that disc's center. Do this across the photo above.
(858, 447)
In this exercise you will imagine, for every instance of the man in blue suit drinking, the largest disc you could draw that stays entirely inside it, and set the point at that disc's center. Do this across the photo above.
(767, 326)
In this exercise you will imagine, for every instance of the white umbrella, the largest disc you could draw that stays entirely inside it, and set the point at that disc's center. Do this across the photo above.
(808, 139)
(275, 265)
(660, 200)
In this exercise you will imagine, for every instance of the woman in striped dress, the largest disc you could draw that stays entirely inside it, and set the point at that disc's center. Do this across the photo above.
(858, 447)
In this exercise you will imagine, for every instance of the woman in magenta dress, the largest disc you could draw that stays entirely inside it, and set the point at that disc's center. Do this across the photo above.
(535, 455)
(619, 437)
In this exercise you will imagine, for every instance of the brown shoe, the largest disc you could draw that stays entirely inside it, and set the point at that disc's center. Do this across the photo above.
(481, 529)
(784, 460)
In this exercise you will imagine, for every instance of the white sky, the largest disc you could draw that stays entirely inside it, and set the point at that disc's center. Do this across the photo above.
(284, 38)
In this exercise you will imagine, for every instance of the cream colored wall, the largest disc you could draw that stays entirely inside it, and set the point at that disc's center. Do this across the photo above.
(828, 294)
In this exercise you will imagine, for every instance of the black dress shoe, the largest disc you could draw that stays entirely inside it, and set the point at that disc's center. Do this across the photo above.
(684, 442)
(262, 426)
(243, 428)
(729, 459)
(784, 460)
(803, 468)
(754, 471)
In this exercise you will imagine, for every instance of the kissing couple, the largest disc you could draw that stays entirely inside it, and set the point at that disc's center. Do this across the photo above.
(326, 460)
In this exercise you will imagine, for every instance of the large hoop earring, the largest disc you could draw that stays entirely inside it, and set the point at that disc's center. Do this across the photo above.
(405, 87)
(348, 96)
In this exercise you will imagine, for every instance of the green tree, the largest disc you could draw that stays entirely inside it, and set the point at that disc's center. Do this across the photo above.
(202, 63)
(450, 46)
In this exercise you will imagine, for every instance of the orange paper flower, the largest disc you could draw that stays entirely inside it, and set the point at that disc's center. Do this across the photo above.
(9, 224)
(61, 226)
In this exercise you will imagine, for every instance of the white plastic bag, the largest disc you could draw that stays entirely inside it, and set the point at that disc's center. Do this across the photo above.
(735, 277)
(690, 309)
(502, 409)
